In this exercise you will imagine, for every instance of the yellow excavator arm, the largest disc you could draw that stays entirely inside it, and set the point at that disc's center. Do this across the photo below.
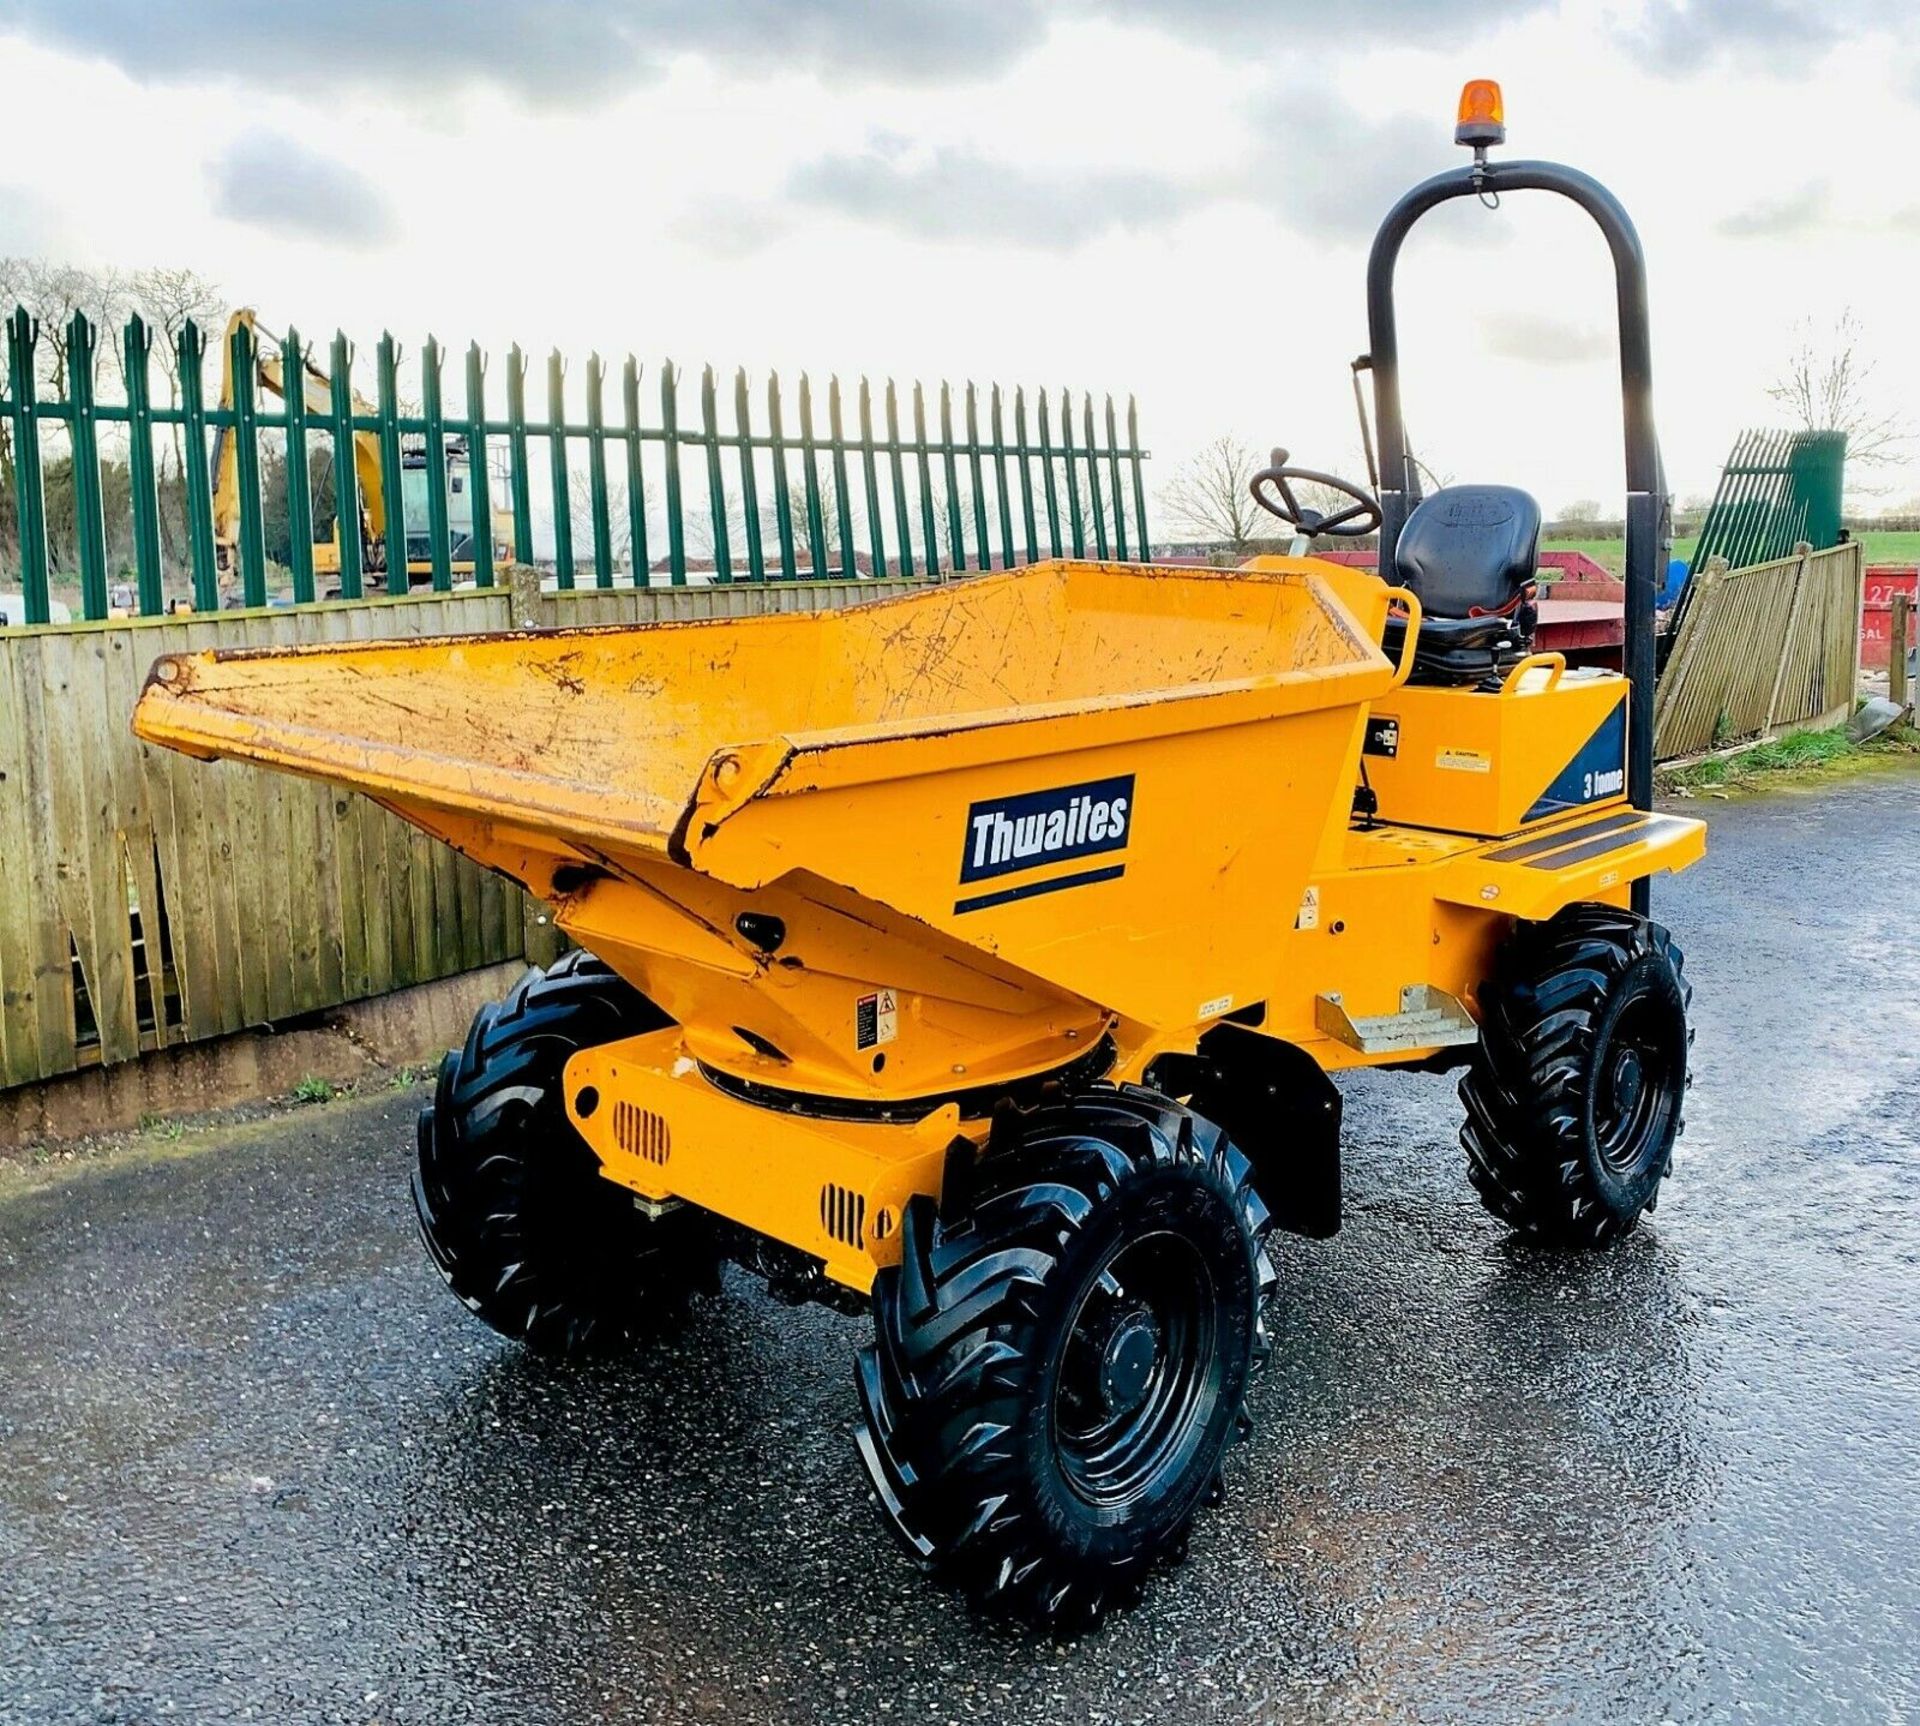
(270, 375)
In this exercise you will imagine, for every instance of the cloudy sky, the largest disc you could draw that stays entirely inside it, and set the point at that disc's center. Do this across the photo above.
(1168, 197)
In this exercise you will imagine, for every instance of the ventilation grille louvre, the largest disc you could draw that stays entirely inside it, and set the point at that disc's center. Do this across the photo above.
(641, 1133)
(843, 1214)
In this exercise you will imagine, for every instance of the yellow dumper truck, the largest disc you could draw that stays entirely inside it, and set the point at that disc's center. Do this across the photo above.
(977, 960)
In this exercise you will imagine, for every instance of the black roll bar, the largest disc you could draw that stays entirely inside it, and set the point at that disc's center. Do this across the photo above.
(1649, 519)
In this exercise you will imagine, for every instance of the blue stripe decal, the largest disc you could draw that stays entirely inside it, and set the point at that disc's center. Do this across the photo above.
(1597, 771)
(1007, 895)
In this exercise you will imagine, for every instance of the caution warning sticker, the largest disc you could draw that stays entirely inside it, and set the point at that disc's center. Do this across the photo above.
(875, 1019)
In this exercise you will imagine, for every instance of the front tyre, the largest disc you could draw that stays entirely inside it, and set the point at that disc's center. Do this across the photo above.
(1575, 1092)
(1058, 1370)
(513, 1208)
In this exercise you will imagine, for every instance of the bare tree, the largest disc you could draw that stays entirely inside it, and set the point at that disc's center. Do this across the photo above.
(699, 522)
(13, 281)
(1328, 500)
(168, 300)
(13, 284)
(1827, 385)
(52, 293)
(1210, 497)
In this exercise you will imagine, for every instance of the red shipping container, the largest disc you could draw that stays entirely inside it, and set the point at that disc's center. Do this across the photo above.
(1883, 581)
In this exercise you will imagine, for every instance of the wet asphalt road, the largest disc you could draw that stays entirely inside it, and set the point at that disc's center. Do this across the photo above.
(254, 1463)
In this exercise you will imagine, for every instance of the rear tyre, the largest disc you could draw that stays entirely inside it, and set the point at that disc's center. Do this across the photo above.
(513, 1209)
(1575, 1092)
(1058, 1370)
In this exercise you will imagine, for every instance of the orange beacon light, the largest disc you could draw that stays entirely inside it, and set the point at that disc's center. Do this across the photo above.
(1482, 118)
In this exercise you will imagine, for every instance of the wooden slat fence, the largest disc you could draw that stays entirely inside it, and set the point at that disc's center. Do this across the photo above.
(148, 900)
(1762, 650)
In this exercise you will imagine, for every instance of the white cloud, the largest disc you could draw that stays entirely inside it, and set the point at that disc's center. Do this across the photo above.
(280, 184)
(1684, 36)
(559, 53)
(1540, 339)
(29, 223)
(956, 195)
(738, 187)
(1793, 215)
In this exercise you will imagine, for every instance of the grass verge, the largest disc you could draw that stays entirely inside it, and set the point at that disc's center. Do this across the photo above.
(1795, 757)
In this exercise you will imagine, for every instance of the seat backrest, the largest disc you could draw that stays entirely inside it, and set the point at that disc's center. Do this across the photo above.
(1469, 548)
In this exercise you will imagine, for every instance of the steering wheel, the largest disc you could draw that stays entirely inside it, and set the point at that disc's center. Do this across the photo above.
(1273, 493)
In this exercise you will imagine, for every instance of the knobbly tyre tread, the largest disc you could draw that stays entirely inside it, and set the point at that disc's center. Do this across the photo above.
(512, 1208)
(945, 1385)
(1524, 1129)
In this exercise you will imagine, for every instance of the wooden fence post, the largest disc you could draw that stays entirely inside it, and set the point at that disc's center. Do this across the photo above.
(524, 595)
(1694, 623)
(1856, 599)
(1804, 552)
(1897, 663)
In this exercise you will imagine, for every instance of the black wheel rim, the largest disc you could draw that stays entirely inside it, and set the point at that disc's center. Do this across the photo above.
(1636, 1087)
(1139, 1372)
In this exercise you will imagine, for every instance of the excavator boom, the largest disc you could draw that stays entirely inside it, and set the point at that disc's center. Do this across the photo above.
(317, 392)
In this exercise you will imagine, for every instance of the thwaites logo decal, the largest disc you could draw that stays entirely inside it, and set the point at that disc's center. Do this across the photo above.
(1008, 836)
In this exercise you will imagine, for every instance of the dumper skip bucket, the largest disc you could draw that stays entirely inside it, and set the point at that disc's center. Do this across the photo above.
(1111, 779)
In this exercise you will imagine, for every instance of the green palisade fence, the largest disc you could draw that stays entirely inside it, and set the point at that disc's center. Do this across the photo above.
(1777, 489)
(723, 485)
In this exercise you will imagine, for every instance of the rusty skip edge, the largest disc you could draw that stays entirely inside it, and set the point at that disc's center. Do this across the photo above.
(394, 776)
(947, 591)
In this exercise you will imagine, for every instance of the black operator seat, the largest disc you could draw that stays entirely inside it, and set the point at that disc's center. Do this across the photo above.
(1470, 554)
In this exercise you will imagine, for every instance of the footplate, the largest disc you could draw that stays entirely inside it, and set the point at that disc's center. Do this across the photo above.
(1428, 1018)
(1587, 858)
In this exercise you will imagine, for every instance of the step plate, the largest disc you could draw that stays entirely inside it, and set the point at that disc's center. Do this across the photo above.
(1593, 859)
(1429, 1018)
